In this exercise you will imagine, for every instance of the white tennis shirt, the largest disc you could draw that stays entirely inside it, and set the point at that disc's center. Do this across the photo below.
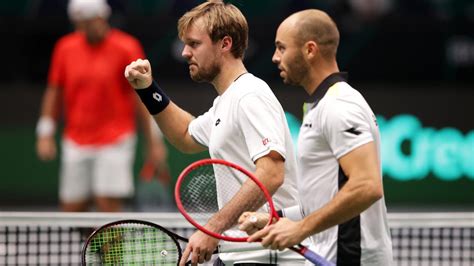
(244, 124)
(338, 120)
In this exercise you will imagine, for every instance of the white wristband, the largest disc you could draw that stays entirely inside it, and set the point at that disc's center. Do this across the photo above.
(46, 127)
(293, 213)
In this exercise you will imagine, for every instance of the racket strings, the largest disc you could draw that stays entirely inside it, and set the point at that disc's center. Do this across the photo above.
(213, 187)
(132, 244)
(199, 192)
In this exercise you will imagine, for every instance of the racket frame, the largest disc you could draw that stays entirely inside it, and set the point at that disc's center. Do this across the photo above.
(175, 237)
(197, 164)
(274, 217)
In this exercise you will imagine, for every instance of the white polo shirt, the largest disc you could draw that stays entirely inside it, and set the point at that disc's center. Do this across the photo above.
(244, 124)
(338, 120)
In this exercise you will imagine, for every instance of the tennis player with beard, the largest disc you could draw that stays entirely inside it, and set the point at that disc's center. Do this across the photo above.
(340, 179)
(246, 124)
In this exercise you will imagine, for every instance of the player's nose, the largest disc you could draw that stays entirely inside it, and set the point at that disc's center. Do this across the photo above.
(276, 58)
(186, 53)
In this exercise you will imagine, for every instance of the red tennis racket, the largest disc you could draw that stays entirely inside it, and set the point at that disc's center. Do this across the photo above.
(212, 194)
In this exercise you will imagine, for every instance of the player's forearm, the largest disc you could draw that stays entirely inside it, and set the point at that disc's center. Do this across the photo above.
(270, 170)
(349, 202)
(50, 103)
(248, 198)
(46, 126)
(174, 122)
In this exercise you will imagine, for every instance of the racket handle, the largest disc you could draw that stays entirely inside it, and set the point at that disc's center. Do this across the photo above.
(311, 256)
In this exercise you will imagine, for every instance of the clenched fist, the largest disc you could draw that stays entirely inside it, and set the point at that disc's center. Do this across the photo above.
(138, 74)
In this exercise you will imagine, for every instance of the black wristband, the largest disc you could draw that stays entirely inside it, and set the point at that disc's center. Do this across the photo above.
(280, 213)
(154, 98)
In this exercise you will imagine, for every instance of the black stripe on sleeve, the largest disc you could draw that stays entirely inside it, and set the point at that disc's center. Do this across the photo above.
(348, 236)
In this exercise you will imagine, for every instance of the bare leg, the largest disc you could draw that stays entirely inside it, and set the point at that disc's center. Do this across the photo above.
(106, 204)
(80, 206)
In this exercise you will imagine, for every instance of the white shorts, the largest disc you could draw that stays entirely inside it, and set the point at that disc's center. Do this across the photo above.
(104, 171)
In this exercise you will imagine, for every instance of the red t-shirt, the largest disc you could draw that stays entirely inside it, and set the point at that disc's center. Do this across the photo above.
(99, 103)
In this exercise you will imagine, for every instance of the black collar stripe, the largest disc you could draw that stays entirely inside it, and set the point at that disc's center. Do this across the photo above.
(327, 83)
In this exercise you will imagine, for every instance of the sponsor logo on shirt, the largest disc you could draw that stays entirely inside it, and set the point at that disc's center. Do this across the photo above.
(218, 121)
(265, 141)
(308, 125)
(353, 130)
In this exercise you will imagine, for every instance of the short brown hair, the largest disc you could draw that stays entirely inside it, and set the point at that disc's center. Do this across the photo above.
(221, 19)
(318, 26)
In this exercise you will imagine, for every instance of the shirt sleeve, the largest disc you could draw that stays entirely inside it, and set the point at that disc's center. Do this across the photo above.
(262, 124)
(200, 128)
(345, 127)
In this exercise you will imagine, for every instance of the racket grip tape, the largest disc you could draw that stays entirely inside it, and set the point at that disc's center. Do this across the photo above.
(312, 256)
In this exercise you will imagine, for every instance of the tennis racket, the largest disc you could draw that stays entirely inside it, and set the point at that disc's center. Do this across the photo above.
(138, 242)
(212, 194)
(132, 242)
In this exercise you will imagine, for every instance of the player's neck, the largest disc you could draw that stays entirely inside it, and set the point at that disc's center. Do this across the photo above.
(317, 75)
(97, 39)
(229, 73)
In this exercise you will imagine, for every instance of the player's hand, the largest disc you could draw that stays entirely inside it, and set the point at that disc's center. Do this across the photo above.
(138, 74)
(251, 222)
(200, 247)
(280, 235)
(46, 148)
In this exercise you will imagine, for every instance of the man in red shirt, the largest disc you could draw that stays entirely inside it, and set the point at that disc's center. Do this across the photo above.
(99, 108)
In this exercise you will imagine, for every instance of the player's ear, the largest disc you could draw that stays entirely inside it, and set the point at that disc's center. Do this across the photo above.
(226, 43)
(311, 49)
